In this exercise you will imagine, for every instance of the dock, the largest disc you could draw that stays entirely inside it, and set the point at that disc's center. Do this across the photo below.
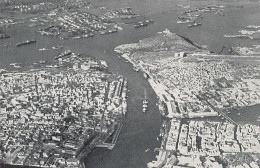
(115, 136)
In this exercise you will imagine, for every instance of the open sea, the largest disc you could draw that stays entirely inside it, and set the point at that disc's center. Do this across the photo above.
(139, 130)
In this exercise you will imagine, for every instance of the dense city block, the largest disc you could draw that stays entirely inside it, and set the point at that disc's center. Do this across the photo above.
(55, 116)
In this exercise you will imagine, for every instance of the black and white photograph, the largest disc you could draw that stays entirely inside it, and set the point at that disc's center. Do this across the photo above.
(129, 83)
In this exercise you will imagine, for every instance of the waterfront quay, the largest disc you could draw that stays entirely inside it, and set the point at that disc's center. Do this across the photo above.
(110, 140)
(54, 115)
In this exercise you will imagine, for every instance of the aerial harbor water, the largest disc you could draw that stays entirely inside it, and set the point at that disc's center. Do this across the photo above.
(140, 131)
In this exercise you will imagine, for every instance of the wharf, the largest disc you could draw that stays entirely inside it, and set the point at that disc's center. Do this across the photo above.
(115, 135)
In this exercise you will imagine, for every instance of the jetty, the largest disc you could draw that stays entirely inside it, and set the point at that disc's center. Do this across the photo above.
(110, 141)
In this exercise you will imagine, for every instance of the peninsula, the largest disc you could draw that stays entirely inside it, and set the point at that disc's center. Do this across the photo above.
(193, 83)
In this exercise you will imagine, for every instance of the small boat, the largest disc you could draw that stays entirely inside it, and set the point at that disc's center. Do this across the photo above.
(16, 65)
(145, 75)
(183, 17)
(49, 66)
(149, 21)
(87, 35)
(186, 21)
(12, 64)
(147, 150)
(181, 6)
(112, 31)
(136, 69)
(103, 32)
(76, 37)
(42, 62)
(43, 49)
(238, 114)
(56, 47)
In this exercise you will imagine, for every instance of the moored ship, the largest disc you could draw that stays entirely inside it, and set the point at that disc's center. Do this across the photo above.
(16, 65)
(144, 23)
(140, 24)
(64, 54)
(145, 103)
(25, 43)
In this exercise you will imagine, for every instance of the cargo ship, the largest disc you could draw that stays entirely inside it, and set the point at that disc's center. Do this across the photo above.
(140, 24)
(25, 43)
(195, 24)
(64, 54)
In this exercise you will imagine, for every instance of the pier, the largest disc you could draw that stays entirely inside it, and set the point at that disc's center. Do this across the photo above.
(114, 136)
